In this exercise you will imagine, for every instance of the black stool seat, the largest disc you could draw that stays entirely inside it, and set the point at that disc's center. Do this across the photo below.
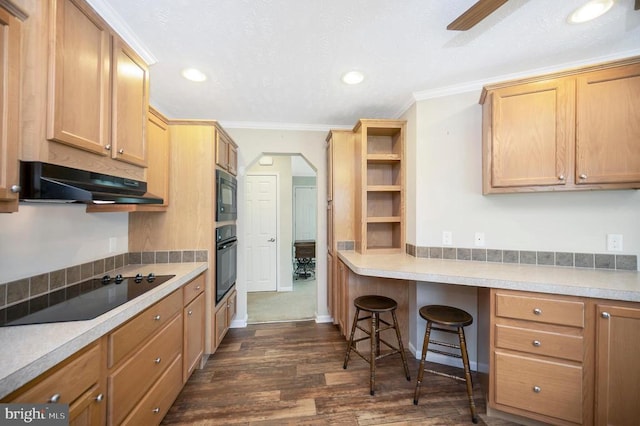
(449, 320)
(446, 315)
(373, 303)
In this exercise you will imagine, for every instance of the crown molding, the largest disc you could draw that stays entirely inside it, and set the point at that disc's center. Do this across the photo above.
(477, 85)
(116, 22)
(283, 126)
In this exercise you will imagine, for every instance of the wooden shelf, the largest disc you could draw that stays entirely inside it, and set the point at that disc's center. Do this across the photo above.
(384, 188)
(384, 158)
(384, 219)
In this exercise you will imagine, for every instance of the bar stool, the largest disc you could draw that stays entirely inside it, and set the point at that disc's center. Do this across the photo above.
(375, 305)
(454, 318)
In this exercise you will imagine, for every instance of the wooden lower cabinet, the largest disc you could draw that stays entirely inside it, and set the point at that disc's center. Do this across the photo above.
(194, 317)
(77, 381)
(224, 314)
(617, 363)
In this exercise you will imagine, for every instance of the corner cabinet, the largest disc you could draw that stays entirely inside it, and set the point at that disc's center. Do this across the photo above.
(84, 92)
(379, 207)
(574, 130)
(226, 152)
(10, 40)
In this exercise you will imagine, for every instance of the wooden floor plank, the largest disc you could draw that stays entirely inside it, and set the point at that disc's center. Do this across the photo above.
(291, 374)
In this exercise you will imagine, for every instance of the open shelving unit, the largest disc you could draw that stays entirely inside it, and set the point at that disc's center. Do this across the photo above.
(380, 185)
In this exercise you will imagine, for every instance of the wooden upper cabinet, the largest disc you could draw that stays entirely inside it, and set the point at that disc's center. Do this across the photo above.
(531, 130)
(608, 126)
(573, 130)
(226, 152)
(9, 110)
(129, 105)
(158, 143)
(80, 91)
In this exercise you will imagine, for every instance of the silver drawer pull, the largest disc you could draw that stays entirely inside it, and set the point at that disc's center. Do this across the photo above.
(157, 360)
(197, 288)
(121, 151)
(605, 315)
(156, 410)
(16, 188)
(536, 343)
(561, 177)
(99, 398)
(537, 389)
(157, 318)
(190, 313)
(537, 311)
(54, 398)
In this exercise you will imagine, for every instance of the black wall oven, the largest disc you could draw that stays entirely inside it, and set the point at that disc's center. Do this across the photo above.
(227, 196)
(226, 260)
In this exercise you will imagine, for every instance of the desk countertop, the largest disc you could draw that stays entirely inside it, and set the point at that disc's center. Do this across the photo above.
(30, 350)
(596, 283)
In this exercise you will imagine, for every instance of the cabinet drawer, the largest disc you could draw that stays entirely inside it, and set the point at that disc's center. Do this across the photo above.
(191, 290)
(539, 342)
(156, 403)
(549, 388)
(547, 310)
(131, 334)
(130, 382)
(70, 379)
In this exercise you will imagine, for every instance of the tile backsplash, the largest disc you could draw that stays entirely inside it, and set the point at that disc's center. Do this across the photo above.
(550, 258)
(27, 288)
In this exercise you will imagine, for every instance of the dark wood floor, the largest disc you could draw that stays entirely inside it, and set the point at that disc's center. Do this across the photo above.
(291, 374)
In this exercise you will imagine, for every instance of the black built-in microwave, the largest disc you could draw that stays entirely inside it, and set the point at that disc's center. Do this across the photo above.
(227, 196)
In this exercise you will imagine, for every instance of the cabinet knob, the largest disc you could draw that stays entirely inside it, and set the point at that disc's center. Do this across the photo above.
(99, 398)
(16, 188)
(157, 318)
(157, 360)
(536, 343)
(107, 147)
(537, 311)
(561, 177)
(605, 315)
(190, 313)
(54, 398)
(583, 176)
(121, 151)
(156, 410)
(197, 288)
(537, 389)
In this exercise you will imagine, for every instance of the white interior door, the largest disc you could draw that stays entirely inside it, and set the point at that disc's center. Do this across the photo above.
(304, 213)
(261, 214)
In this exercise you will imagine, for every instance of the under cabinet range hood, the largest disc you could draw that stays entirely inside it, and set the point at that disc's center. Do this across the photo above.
(44, 182)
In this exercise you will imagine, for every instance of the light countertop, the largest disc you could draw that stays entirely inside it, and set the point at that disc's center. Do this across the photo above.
(596, 283)
(30, 350)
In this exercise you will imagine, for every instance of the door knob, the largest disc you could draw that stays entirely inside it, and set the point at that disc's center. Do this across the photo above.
(271, 240)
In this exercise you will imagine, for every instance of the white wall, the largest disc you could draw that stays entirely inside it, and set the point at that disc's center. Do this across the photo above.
(41, 238)
(447, 148)
(252, 144)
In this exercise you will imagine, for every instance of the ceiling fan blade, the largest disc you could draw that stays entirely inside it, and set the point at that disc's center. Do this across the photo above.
(477, 13)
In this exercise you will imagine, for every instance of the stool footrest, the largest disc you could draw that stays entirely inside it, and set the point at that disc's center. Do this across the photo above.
(445, 344)
(445, 353)
(440, 373)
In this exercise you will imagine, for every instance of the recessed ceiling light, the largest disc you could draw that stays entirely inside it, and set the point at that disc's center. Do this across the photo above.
(353, 77)
(193, 74)
(590, 10)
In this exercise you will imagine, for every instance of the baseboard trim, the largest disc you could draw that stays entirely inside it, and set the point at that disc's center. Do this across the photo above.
(321, 319)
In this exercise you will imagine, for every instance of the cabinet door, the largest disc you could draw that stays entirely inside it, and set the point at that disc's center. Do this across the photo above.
(617, 366)
(89, 409)
(531, 134)
(9, 111)
(80, 92)
(233, 159)
(231, 308)
(222, 151)
(129, 106)
(193, 335)
(158, 169)
(220, 326)
(608, 126)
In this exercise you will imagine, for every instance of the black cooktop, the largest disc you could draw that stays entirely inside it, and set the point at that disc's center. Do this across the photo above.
(79, 302)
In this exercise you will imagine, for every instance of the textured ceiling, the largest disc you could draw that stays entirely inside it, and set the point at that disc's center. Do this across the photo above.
(278, 63)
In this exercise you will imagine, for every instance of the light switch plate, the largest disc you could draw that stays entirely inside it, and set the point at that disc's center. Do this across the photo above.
(447, 238)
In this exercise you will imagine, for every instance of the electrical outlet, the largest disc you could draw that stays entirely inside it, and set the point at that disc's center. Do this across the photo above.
(447, 238)
(614, 242)
(479, 239)
(112, 244)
